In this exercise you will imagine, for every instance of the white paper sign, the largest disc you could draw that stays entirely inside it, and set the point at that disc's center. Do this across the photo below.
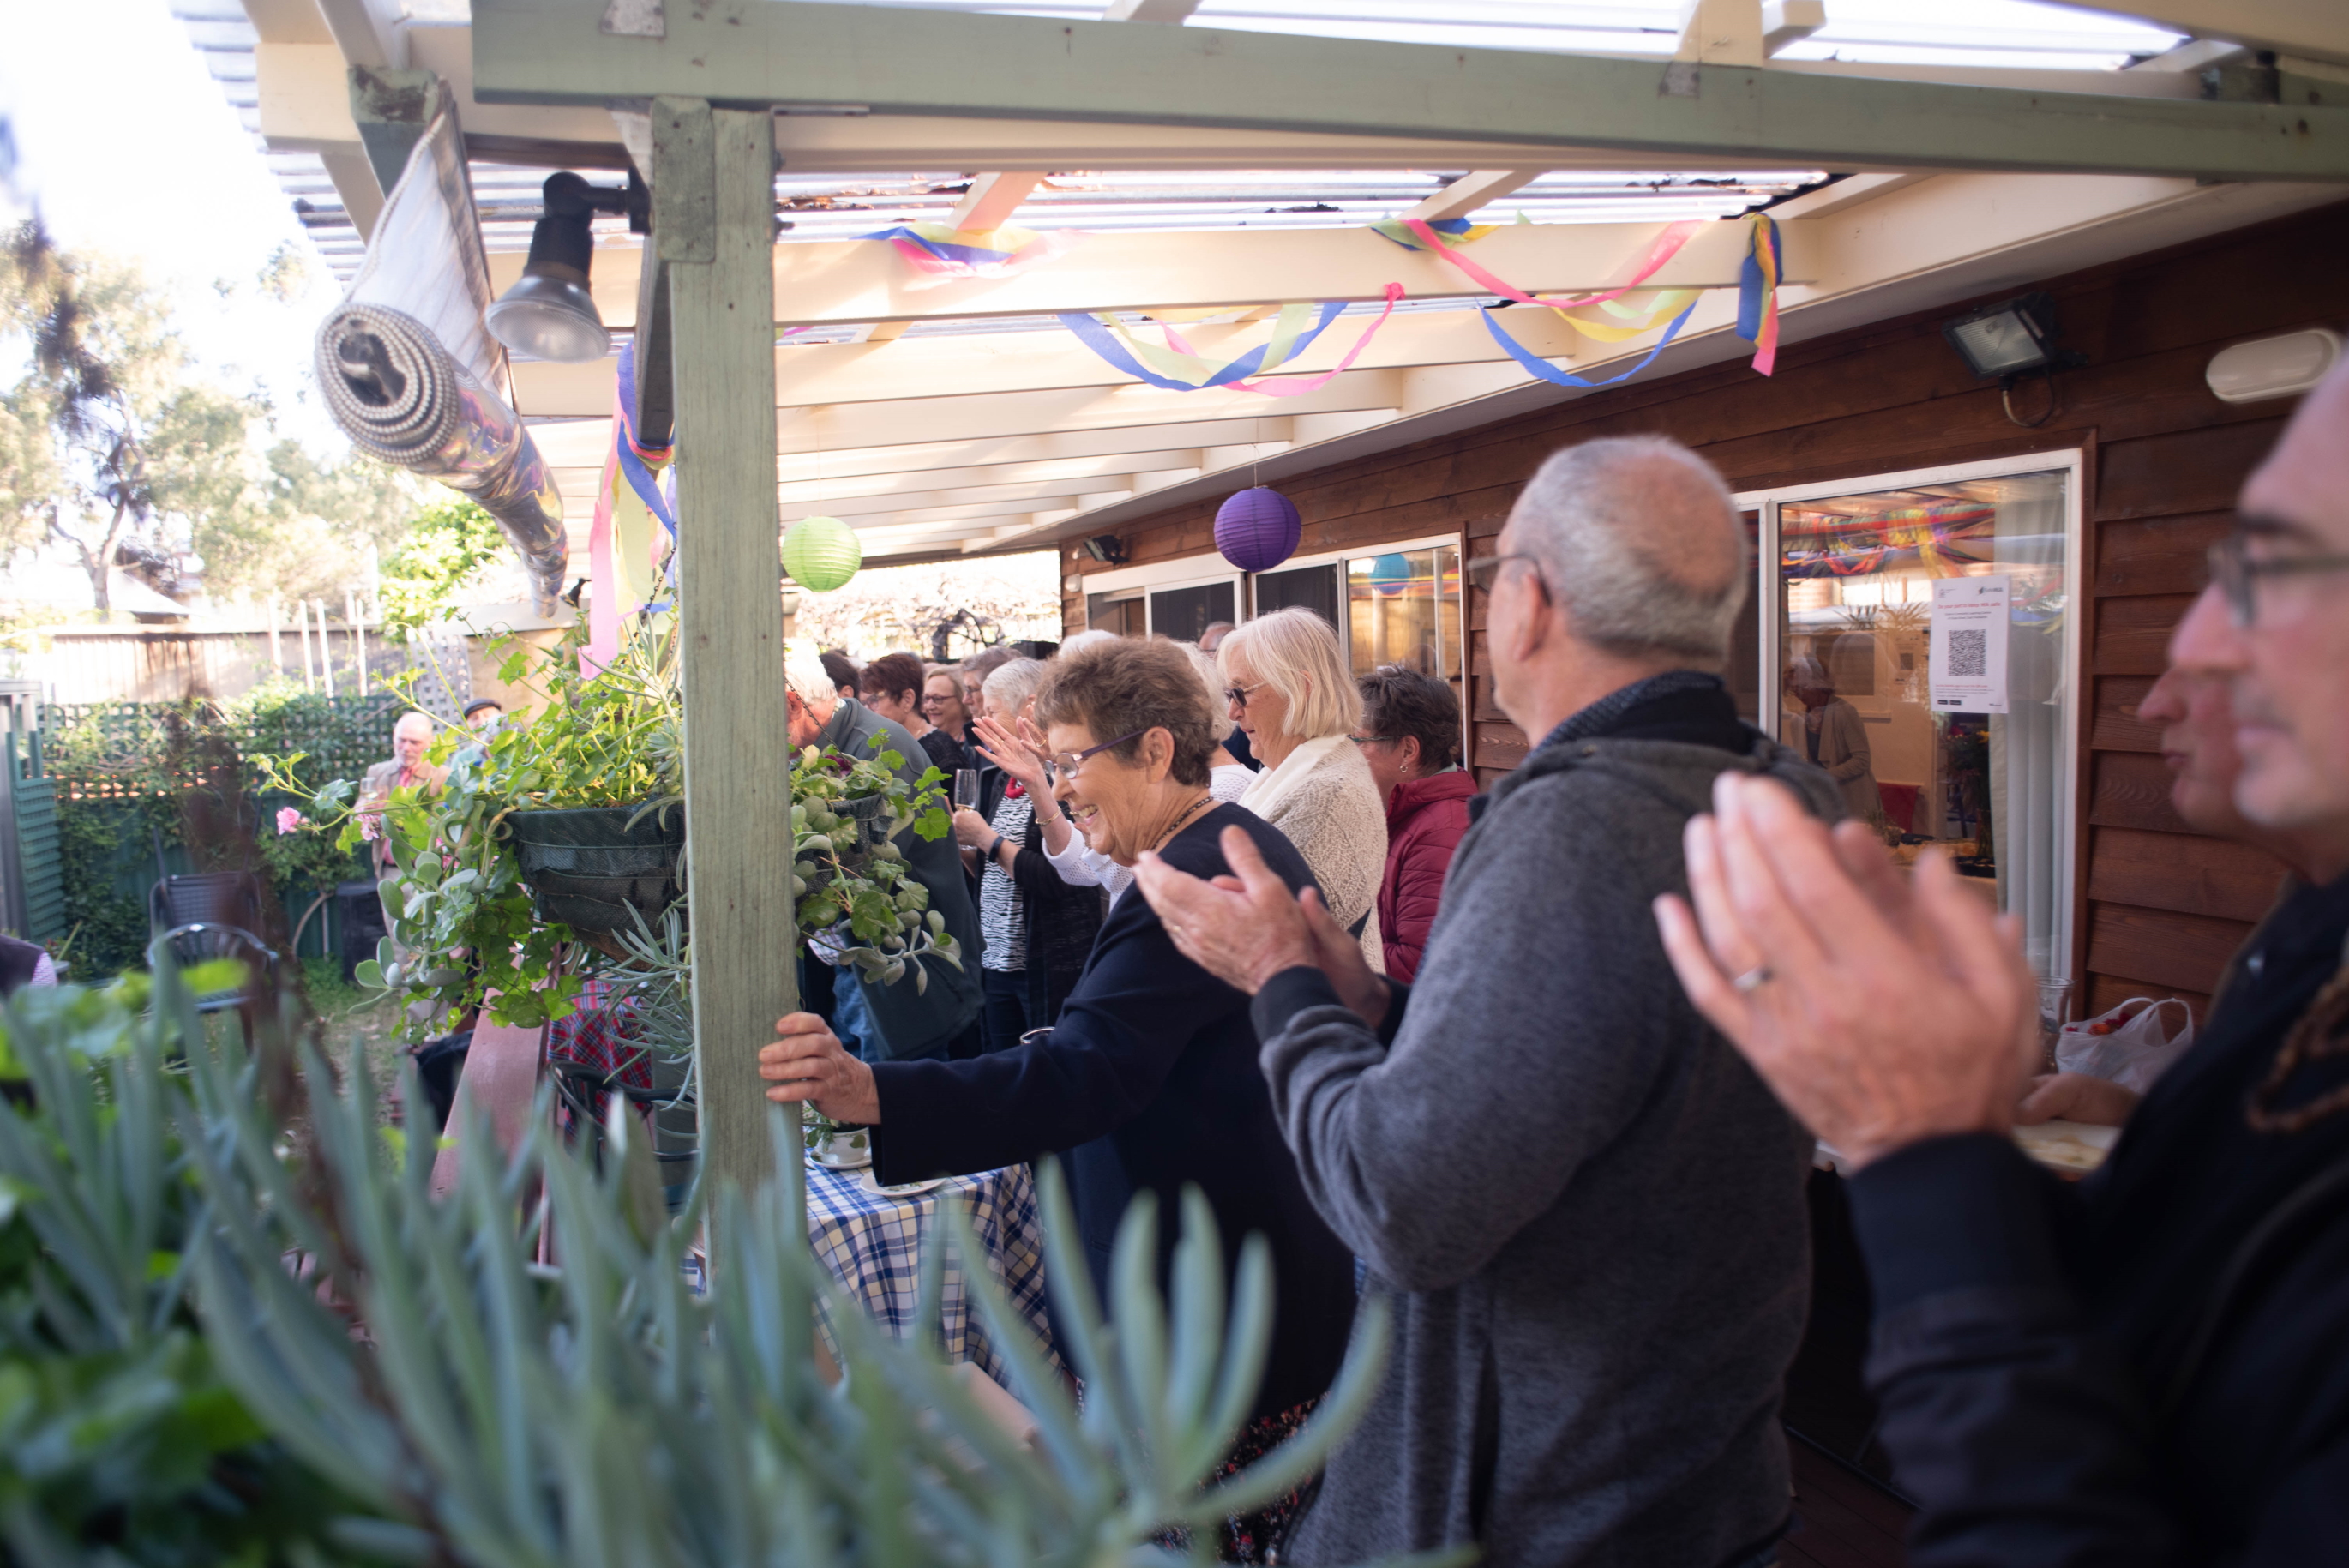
(1967, 654)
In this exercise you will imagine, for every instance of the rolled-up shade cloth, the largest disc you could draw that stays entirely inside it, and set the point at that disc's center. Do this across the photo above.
(403, 399)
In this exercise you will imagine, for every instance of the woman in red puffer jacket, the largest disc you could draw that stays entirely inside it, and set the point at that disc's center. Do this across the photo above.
(1410, 737)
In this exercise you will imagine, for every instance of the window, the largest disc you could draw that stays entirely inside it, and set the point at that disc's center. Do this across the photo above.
(1944, 725)
(1119, 613)
(1184, 612)
(1314, 588)
(1403, 608)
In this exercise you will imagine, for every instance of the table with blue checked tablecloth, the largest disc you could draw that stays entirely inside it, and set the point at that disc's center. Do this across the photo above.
(873, 1244)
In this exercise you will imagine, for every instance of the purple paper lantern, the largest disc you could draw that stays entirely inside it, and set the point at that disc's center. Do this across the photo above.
(1257, 529)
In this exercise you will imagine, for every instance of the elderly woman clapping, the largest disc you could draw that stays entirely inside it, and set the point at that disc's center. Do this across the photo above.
(1291, 693)
(1149, 1081)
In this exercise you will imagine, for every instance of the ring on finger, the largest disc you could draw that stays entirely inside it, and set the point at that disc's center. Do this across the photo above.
(1752, 980)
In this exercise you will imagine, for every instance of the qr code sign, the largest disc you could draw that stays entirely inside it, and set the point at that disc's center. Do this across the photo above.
(1969, 653)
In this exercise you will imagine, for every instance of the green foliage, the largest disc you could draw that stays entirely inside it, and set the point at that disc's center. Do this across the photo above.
(371, 1374)
(120, 1441)
(132, 775)
(448, 545)
(466, 919)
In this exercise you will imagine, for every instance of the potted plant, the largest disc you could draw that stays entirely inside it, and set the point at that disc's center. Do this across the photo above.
(556, 849)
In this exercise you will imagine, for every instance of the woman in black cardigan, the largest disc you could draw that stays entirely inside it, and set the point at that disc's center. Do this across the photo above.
(1150, 1080)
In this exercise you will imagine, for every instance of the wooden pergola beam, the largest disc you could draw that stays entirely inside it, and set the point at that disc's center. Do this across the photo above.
(714, 223)
(890, 59)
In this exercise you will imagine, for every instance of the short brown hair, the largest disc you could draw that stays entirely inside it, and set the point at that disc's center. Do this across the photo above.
(891, 673)
(1397, 701)
(1117, 689)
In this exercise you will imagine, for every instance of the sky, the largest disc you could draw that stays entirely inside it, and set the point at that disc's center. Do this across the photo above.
(125, 144)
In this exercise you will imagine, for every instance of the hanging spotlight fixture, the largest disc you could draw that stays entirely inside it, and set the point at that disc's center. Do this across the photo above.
(549, 313)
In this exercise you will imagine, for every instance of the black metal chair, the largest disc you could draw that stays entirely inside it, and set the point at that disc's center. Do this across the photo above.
(200, 943)
(210, 898)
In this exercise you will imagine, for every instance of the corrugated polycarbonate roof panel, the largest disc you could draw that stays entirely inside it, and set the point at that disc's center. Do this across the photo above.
(2009, 32)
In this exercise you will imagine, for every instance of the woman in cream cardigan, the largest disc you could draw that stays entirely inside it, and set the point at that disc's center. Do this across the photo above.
(1291, 693)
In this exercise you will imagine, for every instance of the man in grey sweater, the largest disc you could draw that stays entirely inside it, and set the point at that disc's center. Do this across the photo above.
(1588, 1209)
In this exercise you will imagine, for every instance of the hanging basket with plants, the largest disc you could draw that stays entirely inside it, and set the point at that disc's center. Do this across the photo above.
(555, 853)
(600, 868)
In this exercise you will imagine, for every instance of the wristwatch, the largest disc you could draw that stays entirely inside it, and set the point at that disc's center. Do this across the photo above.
(995, 848)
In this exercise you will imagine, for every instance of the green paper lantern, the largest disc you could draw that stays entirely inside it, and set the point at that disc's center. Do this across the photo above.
(821, 553)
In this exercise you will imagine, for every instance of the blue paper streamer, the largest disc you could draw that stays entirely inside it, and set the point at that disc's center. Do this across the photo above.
(1551, 373)
(1103, 342)
(1751, 284)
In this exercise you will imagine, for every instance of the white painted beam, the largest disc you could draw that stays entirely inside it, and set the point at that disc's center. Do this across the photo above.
(1720, 32)
(871, 143)
(1789, 22)
(354, 179)
(1169, 12)
(852, 281)
(1473, 190)
(301, 93)
(1122, 470)
(991, 200)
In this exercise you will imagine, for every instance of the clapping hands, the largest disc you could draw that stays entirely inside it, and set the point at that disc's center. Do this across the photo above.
(1883, 1011)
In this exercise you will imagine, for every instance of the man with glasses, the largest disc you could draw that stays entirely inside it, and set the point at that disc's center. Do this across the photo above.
(2148, 1368)
(1588, 1212)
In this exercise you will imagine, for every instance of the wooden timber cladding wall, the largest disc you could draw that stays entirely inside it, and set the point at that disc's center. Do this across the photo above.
(2161, 908)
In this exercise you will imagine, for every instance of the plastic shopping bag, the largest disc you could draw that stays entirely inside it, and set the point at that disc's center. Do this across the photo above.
(2130, 1044)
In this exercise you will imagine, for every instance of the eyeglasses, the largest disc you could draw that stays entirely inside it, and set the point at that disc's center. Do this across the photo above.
(2237, 574)
(1238, 696)
(1485, 571)
(1064, 764)
(1371, 739)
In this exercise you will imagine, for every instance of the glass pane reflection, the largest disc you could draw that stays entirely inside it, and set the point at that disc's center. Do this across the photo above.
(1856, 575)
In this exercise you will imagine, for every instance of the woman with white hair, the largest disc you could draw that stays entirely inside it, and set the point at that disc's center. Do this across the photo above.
(1037, 929)
(1292, 696)
(1078, 862)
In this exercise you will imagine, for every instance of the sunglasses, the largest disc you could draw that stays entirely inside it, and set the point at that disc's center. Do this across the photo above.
(1064, 764)
(1238, 696)
(2237, 575)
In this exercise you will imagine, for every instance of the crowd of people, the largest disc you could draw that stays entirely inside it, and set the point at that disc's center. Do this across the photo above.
(1546, 1063)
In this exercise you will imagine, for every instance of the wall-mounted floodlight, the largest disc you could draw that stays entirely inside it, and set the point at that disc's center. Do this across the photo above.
(2007, 338)
(2010, 340)
(549, 313)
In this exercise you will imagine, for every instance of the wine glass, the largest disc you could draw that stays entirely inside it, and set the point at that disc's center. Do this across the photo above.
(966, 789)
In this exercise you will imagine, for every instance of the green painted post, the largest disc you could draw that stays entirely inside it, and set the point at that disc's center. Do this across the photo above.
(713, 221)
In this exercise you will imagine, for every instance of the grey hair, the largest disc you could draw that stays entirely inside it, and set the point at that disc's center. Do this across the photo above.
(1079, 640)
(806, 678)
(1641, 542)
(1008, 687)
(412, 718)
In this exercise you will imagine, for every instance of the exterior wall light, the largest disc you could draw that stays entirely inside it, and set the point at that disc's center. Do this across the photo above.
(2273, 366)
(2010, 340)
(549, 313)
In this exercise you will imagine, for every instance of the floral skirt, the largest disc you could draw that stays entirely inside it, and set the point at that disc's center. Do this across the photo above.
(1251, 1537)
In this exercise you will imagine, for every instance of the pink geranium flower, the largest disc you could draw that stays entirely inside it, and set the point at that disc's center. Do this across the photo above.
(288, 818)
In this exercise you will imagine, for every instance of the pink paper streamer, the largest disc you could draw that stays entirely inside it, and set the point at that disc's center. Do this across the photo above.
(1668, 246)
(604, 598)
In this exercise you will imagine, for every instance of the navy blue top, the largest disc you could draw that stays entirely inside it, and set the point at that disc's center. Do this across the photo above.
(1149, 1081)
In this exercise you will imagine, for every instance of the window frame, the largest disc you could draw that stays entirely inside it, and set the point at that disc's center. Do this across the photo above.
(2063, 958)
